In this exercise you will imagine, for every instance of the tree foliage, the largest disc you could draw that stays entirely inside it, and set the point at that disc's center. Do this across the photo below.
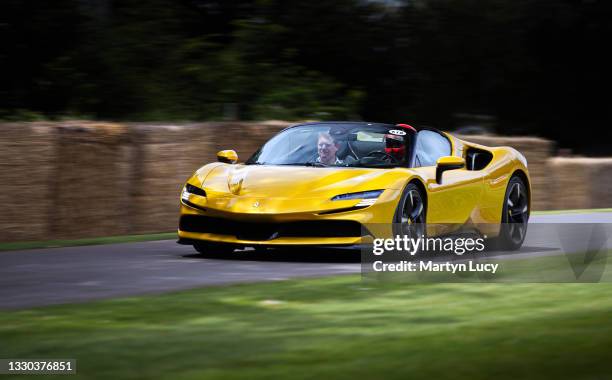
(535, 66)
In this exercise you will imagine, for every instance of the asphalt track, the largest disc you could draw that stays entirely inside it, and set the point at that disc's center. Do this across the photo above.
(41, 277)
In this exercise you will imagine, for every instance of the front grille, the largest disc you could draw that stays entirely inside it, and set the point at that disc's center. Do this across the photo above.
(268, 231)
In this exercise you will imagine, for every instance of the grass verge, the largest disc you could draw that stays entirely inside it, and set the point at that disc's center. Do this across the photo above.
(89, 241)
(335, 327)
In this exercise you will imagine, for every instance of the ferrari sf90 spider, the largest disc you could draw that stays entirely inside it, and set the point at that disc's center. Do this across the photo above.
(321, 183)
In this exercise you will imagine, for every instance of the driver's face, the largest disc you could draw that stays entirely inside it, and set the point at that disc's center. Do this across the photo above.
(327, 150)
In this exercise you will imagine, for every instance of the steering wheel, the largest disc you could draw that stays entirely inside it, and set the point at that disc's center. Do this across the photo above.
(385, 156)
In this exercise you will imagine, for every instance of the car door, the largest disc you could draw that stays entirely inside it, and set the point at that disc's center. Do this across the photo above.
(457, 196)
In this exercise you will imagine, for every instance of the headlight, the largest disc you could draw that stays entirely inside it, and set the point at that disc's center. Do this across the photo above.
(190, 189)
(370, 195)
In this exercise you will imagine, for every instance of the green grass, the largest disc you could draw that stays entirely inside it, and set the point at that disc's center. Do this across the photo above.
(335, 327)
(89, 241)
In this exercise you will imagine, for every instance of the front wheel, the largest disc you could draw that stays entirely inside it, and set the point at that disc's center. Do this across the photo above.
(411, 212)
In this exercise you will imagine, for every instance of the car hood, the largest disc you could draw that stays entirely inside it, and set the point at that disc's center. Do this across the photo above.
(268, 181)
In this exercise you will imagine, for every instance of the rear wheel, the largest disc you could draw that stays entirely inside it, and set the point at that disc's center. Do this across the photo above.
(213, 249)
(515, 216)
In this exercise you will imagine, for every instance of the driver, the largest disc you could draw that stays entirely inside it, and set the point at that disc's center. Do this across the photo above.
(327, 149)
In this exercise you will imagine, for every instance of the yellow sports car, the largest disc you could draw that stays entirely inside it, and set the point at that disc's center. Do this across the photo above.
(321, 183)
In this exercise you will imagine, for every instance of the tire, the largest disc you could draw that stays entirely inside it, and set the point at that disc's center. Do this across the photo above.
(213, 249)
(411, 213)
(515, 216)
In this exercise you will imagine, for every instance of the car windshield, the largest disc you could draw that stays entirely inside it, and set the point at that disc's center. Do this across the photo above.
(337, 144)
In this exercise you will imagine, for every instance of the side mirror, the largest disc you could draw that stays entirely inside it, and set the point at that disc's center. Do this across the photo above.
(227, 156)
(448, 163)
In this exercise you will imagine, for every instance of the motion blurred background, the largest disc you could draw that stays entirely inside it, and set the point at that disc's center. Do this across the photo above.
(526, 67)
(141, 93)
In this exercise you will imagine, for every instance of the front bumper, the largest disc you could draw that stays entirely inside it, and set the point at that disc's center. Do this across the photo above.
(190, 237)
(324, 227)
